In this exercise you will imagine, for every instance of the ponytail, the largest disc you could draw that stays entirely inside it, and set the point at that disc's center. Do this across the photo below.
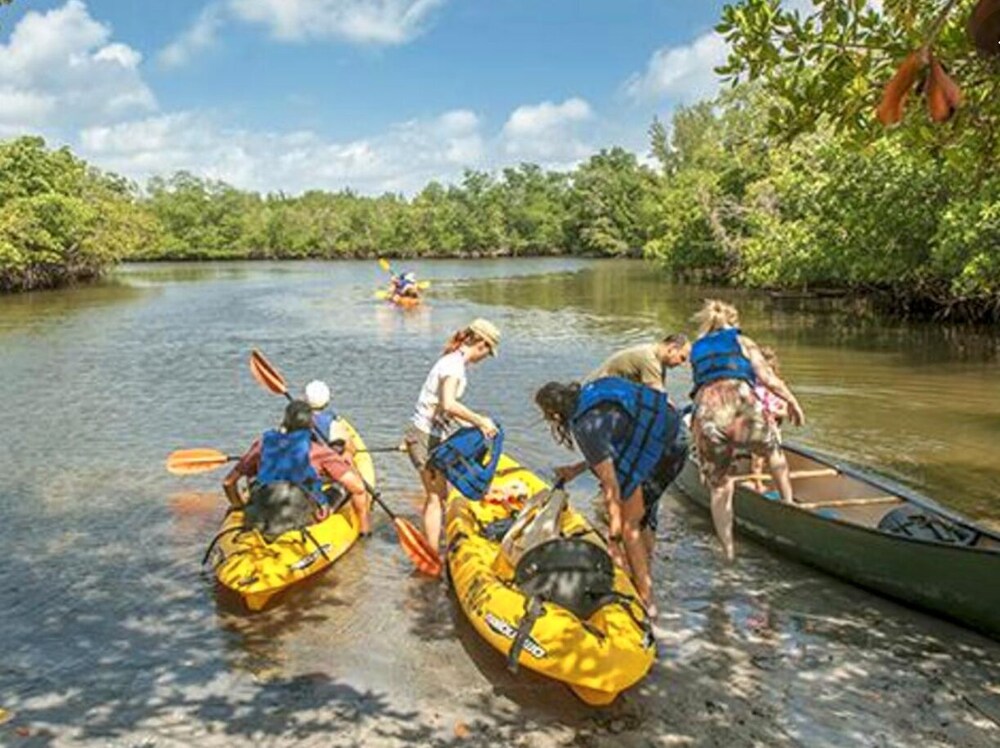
(465, 336)
(715, 315)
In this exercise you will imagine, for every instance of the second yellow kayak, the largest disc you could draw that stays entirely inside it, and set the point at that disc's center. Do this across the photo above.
(597, 658)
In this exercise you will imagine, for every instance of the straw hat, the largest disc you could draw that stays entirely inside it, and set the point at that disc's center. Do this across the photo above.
(487, 332)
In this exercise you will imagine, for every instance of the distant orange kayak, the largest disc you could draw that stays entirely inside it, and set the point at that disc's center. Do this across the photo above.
(406, 302)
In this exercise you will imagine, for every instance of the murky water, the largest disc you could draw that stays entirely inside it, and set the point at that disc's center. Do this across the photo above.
(111, 634)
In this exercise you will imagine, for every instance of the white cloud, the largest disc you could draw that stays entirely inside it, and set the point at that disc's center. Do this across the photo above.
(403, 158)
(200, 36)
(547, 132)
(681, 74)
(374, 22)
(61, 62)
(359, 21)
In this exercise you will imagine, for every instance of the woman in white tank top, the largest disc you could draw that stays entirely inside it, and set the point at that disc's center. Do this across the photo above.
(439, 411)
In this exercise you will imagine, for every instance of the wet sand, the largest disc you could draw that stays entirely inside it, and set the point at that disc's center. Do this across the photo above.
(760, 653)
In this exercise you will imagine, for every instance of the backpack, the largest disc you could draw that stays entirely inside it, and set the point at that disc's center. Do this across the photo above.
(913, 522)
(276, 508)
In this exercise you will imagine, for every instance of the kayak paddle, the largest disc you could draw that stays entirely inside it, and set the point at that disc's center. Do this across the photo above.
(425, 558)
(195, 461)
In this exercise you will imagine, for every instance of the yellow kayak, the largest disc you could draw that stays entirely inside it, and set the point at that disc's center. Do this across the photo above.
(597, 657)
(257, 570)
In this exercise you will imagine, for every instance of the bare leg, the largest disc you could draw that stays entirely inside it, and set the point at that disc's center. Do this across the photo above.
(757, 467)
(722, 516)
(435, 489)
(649, 543)
(635, 549)
(360, 503)
(615, 530)
(779, 469)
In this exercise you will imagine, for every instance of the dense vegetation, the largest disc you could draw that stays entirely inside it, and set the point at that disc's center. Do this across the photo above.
(785, 181)
(61, 220)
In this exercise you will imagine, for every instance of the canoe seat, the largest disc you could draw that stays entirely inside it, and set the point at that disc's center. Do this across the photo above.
(794, 475)
(850, 502)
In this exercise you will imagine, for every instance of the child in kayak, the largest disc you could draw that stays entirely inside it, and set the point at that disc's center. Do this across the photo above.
(439, 411)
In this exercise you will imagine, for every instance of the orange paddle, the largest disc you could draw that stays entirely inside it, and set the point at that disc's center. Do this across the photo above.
(424, 557)
(194, 461)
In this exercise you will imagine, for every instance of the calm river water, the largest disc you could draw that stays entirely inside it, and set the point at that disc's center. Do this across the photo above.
(111, 634)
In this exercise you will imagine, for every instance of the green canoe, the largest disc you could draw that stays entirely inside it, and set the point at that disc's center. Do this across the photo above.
(872, 532)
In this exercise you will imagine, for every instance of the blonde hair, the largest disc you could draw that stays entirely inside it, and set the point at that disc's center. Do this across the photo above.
(715, 315)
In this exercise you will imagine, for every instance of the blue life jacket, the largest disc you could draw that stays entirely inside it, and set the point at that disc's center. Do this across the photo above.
(285, 458)
(718, 356)
(655, 425)
(323, 420)
(462, 457)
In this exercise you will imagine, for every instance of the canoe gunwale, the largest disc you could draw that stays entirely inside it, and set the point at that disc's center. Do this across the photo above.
(904, 493)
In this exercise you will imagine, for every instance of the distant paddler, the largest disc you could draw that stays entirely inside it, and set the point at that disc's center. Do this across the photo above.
(729, 418)
(439, 411)
(623, 430)
(404, 286)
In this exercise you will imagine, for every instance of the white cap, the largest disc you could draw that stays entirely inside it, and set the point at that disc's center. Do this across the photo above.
(410, 276)
(317, 394)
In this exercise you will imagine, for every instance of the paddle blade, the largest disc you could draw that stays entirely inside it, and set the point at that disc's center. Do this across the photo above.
(415, 545)
(267, 375)
(423, 284)
(194, 461)
(383, 295)
(384, 264)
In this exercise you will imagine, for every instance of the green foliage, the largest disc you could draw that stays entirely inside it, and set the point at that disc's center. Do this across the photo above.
(612, 204)
(738, 205)
(61, 220)
(827, 68)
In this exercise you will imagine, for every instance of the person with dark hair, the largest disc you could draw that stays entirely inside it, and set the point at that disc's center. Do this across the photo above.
(291, 458)
(647, 363)
(439, 411)
(623, 430)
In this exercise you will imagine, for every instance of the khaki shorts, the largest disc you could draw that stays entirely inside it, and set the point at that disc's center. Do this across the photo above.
(419, 445)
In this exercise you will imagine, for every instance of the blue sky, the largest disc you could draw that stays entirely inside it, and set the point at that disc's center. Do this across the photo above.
(371, 94)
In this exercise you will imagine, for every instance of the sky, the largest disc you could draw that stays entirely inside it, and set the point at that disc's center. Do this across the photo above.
(374, 95)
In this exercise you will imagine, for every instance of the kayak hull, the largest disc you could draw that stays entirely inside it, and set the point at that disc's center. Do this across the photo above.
(257, 571)
(597, 658)
(406, 302)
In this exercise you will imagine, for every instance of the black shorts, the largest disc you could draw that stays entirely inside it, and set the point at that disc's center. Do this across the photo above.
(665, 472)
